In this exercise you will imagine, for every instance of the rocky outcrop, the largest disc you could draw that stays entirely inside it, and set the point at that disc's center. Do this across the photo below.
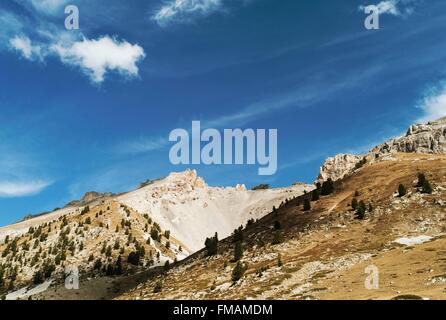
(420, 138)
(88, 198)
(338, 167)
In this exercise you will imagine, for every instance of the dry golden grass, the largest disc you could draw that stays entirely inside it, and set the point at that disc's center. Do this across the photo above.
(325, 250)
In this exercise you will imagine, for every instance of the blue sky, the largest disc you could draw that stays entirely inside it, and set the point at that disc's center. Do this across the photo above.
(91, 109)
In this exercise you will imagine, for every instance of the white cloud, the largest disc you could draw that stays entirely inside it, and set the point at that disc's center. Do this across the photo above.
(10, 25)
(142, 145)
(434, 105)
(36, 37)
(48, 6)
(392, 7)
(24, 46)
(183, 10)
(21, 189)
(389, 7)
(97, 57)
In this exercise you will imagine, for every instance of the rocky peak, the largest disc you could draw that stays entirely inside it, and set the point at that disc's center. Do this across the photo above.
(240, 187)
(188, 177)
(89, 197)
(419, 138)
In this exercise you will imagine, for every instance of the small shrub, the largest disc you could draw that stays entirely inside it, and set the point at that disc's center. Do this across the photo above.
(158, 287)
(261, 187)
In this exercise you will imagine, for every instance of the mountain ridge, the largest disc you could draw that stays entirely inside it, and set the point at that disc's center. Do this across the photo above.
(427, 138)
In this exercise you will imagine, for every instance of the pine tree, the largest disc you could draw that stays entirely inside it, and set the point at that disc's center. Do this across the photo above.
(109, 271)
(426, 188)
(238, 234)
(421, 180)
(238, 272)
(2, 281)
(307, 205)
(38, 277)
(238, 251)
(97, 264)
(118, 266)
(401, 190)
(108, 252)
(277, 237)
(166, 266)
(211, 245)
(327, 187)
(279, 261)
(360, 211)
(133, 258)
(154, 234)
(315, 195)
(354, 204)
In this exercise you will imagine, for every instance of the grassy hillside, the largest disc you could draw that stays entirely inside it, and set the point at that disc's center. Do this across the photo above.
(322, 253)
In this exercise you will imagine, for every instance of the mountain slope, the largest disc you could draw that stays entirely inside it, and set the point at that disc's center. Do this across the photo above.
(324, 251)
(166, 220)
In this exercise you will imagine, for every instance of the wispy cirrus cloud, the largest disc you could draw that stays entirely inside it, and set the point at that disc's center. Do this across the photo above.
(141, 145)
(185, 10)
(303, 97)
(10, 25)
(47, 6)
(13, 189)
(392, 7)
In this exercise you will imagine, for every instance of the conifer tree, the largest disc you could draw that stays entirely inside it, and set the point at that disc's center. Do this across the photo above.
(421, 180)
(315, 195)
(211, 245)
(426, 188)
(327, 187)
(354, 204)
(360, 211)
(401, 190)
(307, 205)
(238, 272)
(238, 251)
